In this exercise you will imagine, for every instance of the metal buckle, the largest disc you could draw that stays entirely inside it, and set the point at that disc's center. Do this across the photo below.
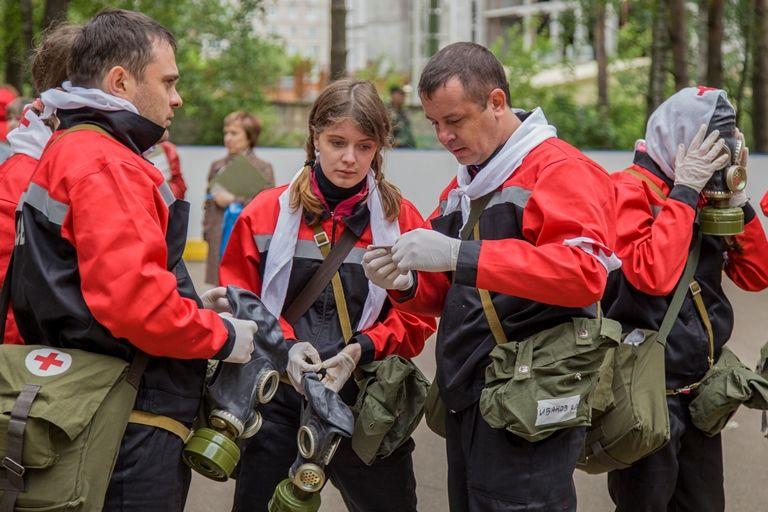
(13, 466)
(321, 239)
(695, 288)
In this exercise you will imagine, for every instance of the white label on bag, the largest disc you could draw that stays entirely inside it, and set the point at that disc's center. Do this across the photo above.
(47, 362)
(557, 410)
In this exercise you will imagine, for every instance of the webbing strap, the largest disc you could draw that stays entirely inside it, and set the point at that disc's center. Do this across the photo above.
(157, 421)
(702, 309)
(321, 239)
(13, 484)
(648, 181)
(490, 311)
(682, 289)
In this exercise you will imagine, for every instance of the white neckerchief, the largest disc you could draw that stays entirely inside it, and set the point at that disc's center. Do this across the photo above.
(70, 97)
(31, 136)
(277, 269)
(533, 131)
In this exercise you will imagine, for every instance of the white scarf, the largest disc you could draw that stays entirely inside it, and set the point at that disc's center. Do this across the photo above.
(70, 97)
(279, 262)
(533, 131)
(31, 136)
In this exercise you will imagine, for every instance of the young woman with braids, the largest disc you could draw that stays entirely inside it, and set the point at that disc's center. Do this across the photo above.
(273, 251)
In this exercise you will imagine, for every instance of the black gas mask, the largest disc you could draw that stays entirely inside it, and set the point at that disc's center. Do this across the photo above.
(234, 392)
(717, 218)
(324, 421)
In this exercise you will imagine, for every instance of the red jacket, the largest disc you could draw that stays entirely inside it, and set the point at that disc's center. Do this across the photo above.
(169, 164)
(764, 204)
(243, 264)
(15, 174)
(538, 280)
(654, 235)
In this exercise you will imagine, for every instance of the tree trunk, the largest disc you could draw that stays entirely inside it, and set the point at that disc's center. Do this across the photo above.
(13, 61)
(745, 21)
(657, 75)
(338, 39)
(678, 36)
(760, 77)
(55, 12)
(601, 57)
(715, 16)
(701, 43)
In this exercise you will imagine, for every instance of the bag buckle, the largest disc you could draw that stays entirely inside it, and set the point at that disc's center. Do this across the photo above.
(695, 288)
(13, 466)
(321, 239)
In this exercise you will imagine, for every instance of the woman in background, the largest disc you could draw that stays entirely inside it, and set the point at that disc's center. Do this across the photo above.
(241, 135)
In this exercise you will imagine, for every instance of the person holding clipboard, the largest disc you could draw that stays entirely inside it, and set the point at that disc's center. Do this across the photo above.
(232, 180)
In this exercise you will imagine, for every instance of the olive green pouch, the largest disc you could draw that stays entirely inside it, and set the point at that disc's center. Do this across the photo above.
(544, 383)
(762, 369)
(726, 386)
(435, 411)
(389, 406)
(78, 407)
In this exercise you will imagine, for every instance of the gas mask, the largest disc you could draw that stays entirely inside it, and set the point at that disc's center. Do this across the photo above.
(717, 218)
(324, 421)
(234, 392)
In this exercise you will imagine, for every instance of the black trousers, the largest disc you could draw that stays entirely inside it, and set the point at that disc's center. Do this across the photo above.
(493, 470)
(685, 475)
(149, 474)
(386, 485)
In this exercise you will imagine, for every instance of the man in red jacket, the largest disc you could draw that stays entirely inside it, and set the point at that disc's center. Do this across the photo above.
(658, 200)
(543, 250)
(97, 263)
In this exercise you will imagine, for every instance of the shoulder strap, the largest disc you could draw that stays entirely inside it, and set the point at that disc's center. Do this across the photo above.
(681, 290)
(328, 271)
(648, 181)
(473, 226)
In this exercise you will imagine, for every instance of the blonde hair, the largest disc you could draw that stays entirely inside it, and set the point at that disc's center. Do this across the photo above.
(358, 101)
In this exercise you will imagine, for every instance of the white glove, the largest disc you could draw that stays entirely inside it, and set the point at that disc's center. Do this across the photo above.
(298, 356)
(245, 330)
(338, 370)
(739, 199)
(425, 249)
(383, 272)
(694, 167)
(216, 299)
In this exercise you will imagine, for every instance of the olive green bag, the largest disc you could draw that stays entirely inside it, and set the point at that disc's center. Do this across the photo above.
(63, 414)
(389, 406)
(762, 369)
(726, 386)
(543, 384)
(630, 417)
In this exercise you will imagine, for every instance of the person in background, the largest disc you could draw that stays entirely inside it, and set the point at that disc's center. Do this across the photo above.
(165, 157)
(27, 140)
(13, 113)
(402, 137)
(241, 135)
(7, 95)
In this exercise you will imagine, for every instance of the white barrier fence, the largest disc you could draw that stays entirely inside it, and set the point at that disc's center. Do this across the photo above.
(420, 174)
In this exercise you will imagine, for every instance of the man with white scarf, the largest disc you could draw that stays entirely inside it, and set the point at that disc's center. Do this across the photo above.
(544, 251)
(658, 199)
(111, 279)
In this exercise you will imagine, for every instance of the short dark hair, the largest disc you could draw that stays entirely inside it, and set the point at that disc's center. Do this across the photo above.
(250, 123)
(49, 60)
(396, 88)
(474, 65)
(114, 37)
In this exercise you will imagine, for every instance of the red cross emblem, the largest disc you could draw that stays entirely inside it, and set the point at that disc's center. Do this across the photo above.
(24, 121)
(702, 89)
(47, 361)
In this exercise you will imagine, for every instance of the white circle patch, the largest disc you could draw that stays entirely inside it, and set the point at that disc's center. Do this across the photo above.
(47, 362)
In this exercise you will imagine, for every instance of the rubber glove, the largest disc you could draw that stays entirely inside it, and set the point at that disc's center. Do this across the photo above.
(382, 271)
(425, 249)
(739, 199)
(694, 167)
(245, 330)
(216, 299)
(302, 358)
(338, 369)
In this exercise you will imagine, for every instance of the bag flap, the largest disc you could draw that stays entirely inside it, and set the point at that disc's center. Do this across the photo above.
(73, 383)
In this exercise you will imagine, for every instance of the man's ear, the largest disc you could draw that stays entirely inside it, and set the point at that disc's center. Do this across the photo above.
(497, 100)
(118, 82)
